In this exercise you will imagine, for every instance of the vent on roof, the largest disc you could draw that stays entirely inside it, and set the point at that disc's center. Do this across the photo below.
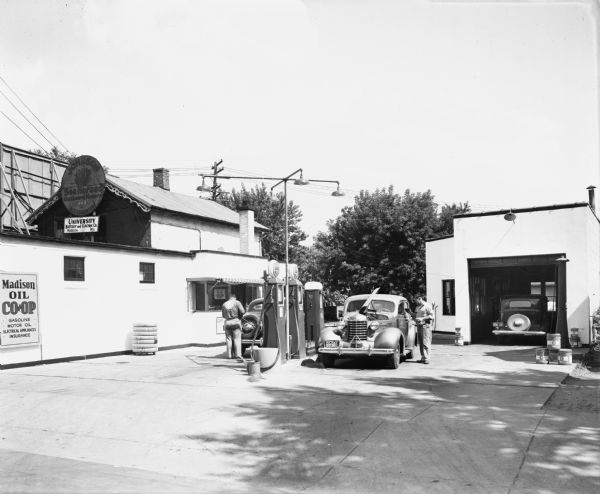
(161, 178)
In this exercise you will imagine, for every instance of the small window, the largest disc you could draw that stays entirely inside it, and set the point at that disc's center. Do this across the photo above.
(74, 268)
(448, 306)
(146, 272)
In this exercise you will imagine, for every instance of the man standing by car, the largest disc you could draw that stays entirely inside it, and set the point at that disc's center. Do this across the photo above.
(424, 317)
(232, 312)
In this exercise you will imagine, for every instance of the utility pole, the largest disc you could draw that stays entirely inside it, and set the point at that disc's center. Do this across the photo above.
(216, 188)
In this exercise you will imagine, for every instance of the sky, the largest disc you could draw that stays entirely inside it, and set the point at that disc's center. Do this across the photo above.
(491, 102)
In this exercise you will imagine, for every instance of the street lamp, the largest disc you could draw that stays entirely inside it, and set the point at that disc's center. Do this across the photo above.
(299, 181)
(337, 192)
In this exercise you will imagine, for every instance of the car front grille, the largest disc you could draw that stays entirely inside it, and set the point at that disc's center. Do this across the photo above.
(357, 330)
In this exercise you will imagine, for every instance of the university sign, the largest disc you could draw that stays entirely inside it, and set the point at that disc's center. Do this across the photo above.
(85, 224)
(19, 319)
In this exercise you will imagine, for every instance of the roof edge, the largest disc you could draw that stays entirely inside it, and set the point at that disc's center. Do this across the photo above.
(524, 210)
(443, 237)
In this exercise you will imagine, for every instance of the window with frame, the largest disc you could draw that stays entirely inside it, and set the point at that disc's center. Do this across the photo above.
(146, 272)
(448, 305)
(74, 268)
(210, 295)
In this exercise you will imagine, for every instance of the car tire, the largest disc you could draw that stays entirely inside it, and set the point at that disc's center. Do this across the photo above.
(327, 360)
(394, 358)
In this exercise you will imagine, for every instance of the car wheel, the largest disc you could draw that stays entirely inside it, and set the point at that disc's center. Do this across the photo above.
(327, 360)
(394, 358)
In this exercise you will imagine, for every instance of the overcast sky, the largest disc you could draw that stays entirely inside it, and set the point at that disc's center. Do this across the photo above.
(491, 102)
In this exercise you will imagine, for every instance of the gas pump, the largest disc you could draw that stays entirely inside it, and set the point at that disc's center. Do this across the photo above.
(297, 326)
(273, 311)
(313, 309)
(273, 316)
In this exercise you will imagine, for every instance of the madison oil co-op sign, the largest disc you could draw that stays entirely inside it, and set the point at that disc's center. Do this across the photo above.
(19, 320)
(81, 190)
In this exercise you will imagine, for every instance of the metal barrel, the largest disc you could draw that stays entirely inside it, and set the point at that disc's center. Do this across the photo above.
(565, 357)
(553, 341)
(541, 356)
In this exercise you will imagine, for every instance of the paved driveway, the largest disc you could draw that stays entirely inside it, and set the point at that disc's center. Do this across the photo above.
(478, 419)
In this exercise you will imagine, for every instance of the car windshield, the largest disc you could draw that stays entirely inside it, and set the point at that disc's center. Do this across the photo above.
(521, 304)
(376, 305)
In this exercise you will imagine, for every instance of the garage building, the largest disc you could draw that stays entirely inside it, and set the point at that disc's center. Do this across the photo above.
(515, 252)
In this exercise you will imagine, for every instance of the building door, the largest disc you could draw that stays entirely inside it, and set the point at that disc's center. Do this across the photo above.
(491, 278)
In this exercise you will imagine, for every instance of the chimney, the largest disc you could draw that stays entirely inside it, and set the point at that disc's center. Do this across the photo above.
(592, 197)
(161, 178)
(246, 230)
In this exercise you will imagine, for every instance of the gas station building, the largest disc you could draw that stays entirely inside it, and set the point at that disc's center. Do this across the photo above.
(515, 252)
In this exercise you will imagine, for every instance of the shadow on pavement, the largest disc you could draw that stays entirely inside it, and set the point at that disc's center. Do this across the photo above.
(474, 441)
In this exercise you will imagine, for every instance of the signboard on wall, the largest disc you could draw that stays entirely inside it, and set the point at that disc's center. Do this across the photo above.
(220, 293)
(82, 185)
(220, 325)
(84, 224)
(19, 316)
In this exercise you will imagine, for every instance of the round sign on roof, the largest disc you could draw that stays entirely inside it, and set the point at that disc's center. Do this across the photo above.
(83, 185)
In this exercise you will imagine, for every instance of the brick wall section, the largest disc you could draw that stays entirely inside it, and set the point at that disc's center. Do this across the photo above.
(246, 231)
(161, 178)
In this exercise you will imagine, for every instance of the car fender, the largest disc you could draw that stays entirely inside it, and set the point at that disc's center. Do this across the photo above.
(388, 337)
(329, 334)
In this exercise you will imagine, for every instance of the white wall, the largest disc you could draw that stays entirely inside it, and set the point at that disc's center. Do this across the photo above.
(213, 236)
(574, 231)
(169, 237)
(96, 315)
(439, 255)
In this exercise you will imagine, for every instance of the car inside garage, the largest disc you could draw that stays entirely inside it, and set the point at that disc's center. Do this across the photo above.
(494, 277)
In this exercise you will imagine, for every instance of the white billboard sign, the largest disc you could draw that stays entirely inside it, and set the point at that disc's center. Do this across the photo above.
(19, 317)
(85, 224)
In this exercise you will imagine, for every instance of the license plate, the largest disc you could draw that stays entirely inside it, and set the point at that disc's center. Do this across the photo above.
(332, 344)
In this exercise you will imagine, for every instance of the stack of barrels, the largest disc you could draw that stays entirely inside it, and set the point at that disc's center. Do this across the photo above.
(144, 339)
(553, 354)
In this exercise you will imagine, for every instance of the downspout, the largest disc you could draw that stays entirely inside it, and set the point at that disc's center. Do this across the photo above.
(561, 302)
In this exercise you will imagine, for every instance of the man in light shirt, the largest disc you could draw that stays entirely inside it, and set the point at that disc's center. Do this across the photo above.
(232, 312)
(424, 317)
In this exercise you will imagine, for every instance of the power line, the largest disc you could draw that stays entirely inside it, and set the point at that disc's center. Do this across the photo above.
(17, 126)
(31, 111)
(28, 121)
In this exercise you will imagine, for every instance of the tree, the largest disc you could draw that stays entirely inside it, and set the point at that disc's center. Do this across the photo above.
(379, 242)
(56, 154)
(270, 211)
(446, 214)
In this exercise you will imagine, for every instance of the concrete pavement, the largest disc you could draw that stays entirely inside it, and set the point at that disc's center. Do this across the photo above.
(478, 419)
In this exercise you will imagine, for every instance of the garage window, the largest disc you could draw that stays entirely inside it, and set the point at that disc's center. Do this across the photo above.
(547, 288)
(448, 305)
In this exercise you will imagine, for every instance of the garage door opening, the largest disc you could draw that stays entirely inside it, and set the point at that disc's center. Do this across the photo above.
(491, 278)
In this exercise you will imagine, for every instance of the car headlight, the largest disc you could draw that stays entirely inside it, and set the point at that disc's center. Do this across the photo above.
(341, 326)
(374, 326)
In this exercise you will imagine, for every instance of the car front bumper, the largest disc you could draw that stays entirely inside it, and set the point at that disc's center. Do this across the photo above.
(520, 333)
(349, 351)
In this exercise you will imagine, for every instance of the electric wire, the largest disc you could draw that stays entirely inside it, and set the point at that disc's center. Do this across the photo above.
(17, 126)
(28, 121)
(32, 112)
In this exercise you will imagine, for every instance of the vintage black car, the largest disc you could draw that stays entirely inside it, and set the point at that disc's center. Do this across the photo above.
(523, 315)
(373, 326)
(252, 330)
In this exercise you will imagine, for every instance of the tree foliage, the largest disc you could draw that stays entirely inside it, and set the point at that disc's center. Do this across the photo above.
(379, 242)
(56, 154)
(269, 211)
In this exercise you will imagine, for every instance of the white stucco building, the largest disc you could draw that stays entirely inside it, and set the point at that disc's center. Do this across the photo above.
(490, 255)
(158, 257)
